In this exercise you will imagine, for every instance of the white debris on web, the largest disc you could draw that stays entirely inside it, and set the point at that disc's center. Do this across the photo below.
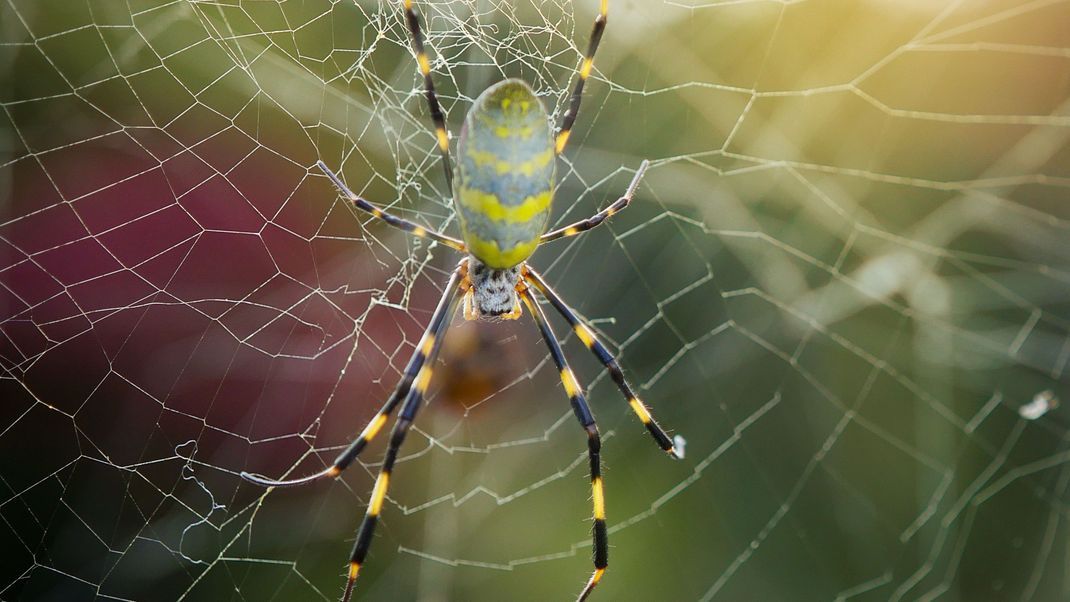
(679, 444)
(1042, 403)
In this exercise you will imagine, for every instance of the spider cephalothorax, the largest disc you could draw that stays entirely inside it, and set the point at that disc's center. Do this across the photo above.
(493, 293)
(504, 191)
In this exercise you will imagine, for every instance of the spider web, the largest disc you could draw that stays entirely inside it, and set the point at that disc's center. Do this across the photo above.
(844, 280)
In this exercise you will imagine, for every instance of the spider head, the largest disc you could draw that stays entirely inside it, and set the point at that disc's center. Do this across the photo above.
(493, 293)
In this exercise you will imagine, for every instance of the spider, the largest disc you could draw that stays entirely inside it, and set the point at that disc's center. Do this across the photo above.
(505, 184)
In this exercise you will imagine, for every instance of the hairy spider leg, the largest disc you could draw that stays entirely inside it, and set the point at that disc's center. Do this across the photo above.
(413, 401)
(397, 222)
(587, 337)
(586, 224)
(434, 333)
(441, 133)
(599, 534)
(585, 71)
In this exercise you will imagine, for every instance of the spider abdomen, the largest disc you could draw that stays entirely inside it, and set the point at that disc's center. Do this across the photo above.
(505, 174)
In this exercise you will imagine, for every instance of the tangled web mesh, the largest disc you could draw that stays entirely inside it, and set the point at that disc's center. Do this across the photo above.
(844, 280)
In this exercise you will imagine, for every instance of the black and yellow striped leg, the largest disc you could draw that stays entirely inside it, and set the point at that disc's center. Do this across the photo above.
(596, 219)
(585, 72)
(397, 222)
(584, 333)
(434, 332)
(429, 92)
(448, 306)
(594, 443)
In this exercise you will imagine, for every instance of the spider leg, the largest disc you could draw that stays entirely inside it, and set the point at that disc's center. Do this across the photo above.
(428, 344)
(585, 71)
(596, 219)
(413, 401)
(393, 220)
(429, 92)
(594, 443)
(591, 342)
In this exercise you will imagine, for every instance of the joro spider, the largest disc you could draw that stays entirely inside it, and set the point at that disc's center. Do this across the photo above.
(505, 184)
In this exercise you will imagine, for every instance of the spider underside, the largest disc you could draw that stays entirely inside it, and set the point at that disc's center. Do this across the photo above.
(504, 191)
(493, 292)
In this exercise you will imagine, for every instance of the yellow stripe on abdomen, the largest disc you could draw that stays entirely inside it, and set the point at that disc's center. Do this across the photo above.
(489, 253)
(489, 206)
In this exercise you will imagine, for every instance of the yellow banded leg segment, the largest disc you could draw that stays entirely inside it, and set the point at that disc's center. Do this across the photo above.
(414, 383)
(584, 72)
(561, 141)
(598, 495)
(596, 219)
(393, 220)
(598, 531)
(572, 388)
(599, 535)
(427, 345)
(443, 140)
(373, 427)
(382, 484)
(424, 379)
(587, 337)
(640, 410)
(424, 64)
(354, 572)
(434, 331)
(367, 529)
(595, 578)
(379, 493)
(585, 69)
